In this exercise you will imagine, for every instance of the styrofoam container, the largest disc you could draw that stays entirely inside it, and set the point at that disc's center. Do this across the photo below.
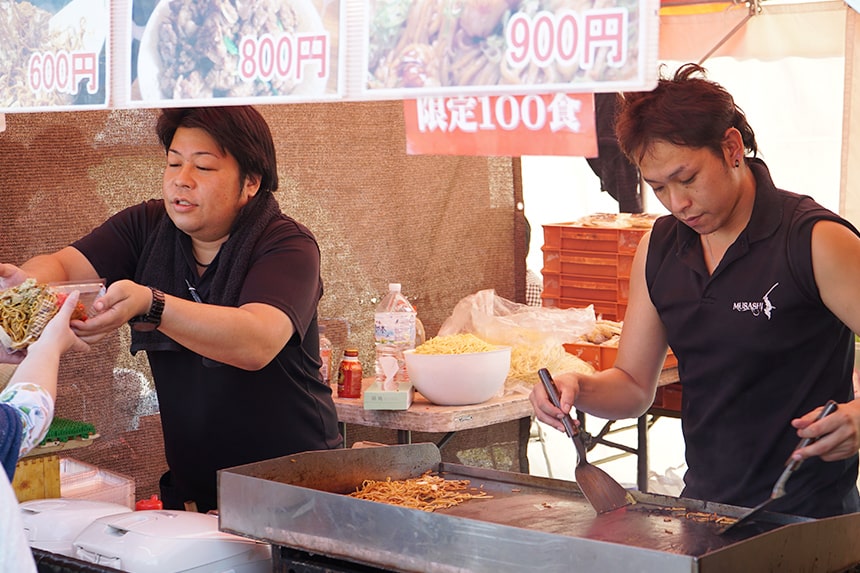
(164, 541)
(53, 524)
(80, 480)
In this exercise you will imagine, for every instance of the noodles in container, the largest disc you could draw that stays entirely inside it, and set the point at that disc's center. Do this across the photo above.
(458, 369)
(26, 309)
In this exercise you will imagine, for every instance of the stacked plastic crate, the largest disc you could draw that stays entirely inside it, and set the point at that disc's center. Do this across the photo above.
(588, 262)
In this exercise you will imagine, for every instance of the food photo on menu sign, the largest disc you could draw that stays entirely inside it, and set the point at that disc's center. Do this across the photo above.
(430, 47)
(53, 54)
(232, 49)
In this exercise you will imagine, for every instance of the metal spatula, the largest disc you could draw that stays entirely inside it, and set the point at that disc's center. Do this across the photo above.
(602, 492)
(790, 467)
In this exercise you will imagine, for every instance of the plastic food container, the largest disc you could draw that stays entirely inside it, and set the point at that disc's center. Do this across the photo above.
(28, 307)
(80, 480)
(89, 292)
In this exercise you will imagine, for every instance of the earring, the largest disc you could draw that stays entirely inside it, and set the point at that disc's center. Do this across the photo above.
(737, 163)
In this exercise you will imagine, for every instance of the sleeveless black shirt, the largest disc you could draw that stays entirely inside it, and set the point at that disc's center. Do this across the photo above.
(756, 347)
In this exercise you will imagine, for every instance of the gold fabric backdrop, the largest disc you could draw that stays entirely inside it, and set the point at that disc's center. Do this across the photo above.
(443, 226)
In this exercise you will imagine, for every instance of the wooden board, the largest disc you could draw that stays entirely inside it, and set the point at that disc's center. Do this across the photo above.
(37, 478)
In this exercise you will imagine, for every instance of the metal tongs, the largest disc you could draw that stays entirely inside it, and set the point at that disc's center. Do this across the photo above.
(790, 467)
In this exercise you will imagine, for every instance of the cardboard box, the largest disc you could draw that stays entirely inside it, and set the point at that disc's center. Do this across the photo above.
(375, 398)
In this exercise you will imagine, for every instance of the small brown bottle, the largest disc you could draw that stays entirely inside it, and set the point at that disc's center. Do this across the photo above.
(349, 375)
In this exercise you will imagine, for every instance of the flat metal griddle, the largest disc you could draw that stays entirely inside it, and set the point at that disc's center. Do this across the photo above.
(530, 523)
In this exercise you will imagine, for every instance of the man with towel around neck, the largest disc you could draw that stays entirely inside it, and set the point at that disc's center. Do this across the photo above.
(221, 291)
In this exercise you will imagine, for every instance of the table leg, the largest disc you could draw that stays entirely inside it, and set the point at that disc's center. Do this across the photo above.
(404, 436)
(525, 431)
(642, 454)
(341, 426)
(445, 439)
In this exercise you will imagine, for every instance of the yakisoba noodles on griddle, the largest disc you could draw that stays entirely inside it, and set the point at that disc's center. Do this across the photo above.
(427, 492)
(24, 312)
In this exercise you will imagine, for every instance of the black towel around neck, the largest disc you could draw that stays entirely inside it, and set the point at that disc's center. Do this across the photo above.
(162, 264)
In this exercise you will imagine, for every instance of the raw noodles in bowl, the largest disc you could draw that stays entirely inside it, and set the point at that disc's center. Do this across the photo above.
(458, 369)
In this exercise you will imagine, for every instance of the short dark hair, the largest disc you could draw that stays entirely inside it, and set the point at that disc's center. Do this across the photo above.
(239, 130)
(685, 110)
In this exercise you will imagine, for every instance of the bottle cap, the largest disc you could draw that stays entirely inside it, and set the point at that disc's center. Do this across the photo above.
(393, 287)
(151, 503)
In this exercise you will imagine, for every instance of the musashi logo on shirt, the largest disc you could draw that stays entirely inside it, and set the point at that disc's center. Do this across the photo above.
(756, 307)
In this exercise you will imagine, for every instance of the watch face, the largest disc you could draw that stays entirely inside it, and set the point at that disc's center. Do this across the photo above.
(143, 326)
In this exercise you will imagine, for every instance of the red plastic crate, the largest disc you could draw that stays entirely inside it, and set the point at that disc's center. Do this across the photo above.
(551, 286)
(551, 261)
(578, 237)
(573, 237)
(625, 265)
(593, 289)
(602, 356)
(623, 290)
(628, 239)
(668, 397)
(580, 264)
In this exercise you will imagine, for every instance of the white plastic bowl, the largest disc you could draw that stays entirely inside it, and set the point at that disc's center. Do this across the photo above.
(459, 379)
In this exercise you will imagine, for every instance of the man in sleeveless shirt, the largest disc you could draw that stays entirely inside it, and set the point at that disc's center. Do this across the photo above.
(755, 291)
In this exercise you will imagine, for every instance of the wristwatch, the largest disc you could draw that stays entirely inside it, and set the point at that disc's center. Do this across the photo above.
(150, 321)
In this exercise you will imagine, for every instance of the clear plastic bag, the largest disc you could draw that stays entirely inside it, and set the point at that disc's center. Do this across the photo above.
(536, 335)
(501, 321)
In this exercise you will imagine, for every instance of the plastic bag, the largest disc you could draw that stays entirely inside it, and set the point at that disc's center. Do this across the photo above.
(501, 321)
(536, 335)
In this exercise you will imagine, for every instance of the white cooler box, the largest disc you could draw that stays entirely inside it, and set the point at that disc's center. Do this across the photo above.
(166, 541)
(53, 524)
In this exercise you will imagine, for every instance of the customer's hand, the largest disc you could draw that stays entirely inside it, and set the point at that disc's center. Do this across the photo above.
(58, 334)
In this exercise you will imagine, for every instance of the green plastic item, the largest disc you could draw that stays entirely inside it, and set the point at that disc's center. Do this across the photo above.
(63, 430)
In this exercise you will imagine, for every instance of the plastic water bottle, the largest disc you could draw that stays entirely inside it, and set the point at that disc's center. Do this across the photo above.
(394, 331)
(325, 356)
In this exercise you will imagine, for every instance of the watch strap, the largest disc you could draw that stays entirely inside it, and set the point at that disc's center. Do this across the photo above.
(152, 319)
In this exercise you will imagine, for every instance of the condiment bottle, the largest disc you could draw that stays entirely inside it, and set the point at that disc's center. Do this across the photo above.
(151, 503)
(325, 356)
(349, 375)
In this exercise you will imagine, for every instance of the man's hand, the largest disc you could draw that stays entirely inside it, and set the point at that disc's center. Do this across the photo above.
(122, 301)
(837, 435)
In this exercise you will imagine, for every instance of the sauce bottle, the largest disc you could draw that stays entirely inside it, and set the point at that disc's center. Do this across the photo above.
(349, 375)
